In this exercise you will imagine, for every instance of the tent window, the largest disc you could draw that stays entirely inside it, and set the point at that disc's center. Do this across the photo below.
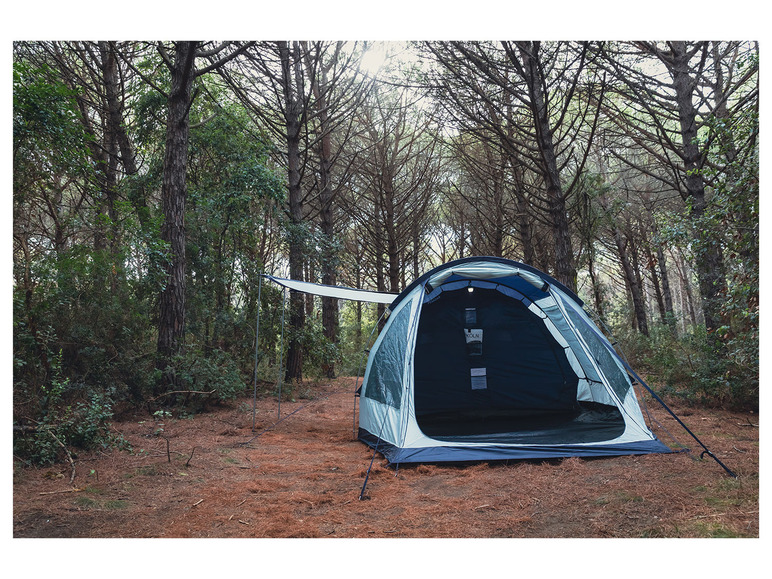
(385, 382)
(611, 368)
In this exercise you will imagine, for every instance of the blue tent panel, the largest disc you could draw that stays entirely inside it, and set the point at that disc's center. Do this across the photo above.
(492, 452)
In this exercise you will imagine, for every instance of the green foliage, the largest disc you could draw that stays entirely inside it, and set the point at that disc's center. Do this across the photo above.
(721, 367)
(81, 344)
(319, 352)
(354, 338)
(230, 185)
(693, 368)
(84, 425)
(46, 131)
(217, 372)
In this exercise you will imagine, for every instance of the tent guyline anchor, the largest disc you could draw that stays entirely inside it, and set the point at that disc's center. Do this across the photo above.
(706, 450)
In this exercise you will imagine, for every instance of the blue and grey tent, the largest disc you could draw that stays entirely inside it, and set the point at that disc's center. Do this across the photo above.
(487, 359)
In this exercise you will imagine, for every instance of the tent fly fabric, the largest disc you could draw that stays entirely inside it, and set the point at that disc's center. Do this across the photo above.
(489, 359)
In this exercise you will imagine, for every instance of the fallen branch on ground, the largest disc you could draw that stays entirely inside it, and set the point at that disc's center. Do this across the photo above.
(209, 393)
(69, 456)
(59, 492)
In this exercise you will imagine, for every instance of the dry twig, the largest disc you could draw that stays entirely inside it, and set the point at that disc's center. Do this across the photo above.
(59, 492)
(69, 456)
(191, 456)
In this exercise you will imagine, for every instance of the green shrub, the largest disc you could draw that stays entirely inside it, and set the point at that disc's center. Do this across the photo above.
(216, 372)
(698, 368)
(86, 425)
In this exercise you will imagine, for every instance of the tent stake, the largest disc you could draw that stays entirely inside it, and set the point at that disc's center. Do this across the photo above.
(686, 428)
(257, 335)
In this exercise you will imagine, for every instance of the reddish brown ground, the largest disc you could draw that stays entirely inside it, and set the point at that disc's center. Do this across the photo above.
(303, 478)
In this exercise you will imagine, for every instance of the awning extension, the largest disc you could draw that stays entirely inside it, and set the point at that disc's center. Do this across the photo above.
(340, 292)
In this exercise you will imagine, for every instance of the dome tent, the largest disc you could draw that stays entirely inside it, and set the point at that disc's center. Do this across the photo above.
(488, 359)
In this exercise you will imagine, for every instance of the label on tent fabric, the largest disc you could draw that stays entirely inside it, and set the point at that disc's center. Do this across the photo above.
(479, 379)
(474, 340)
(470, 316)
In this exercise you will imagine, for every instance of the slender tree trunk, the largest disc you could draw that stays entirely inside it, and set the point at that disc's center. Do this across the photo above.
(290, 62)
(666, 294)
(380, 278)
(651, 266)
(116, 123)
(523, 220)
(709, 256)
(597, 293)
(565, 267)
(171, 324)
(686, 291)
(327, 217)
(392, 241)
(633, 282)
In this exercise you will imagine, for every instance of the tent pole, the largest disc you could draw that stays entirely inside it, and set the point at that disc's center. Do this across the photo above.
(257, 335)
(375, 452)
(281, 348)
(706, 450)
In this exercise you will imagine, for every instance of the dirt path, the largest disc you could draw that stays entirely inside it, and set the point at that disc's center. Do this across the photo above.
(303, 478)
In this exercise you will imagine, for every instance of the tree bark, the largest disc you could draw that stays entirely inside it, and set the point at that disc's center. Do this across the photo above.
(291, 63)
(632, 279)
(709, 257)
(171, 324)
(565, 267)
(329, 257)
(665, 285)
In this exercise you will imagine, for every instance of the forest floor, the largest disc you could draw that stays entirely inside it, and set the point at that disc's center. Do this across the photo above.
(211, 475)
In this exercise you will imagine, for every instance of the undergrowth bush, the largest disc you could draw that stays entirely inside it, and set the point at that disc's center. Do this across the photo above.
(216, 372)
(698, 368)
(82, 425)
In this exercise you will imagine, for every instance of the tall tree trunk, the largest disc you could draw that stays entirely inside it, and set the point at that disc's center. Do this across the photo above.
(686, 290)
(597, 292)
(651, 266)
(329, 255)
(392, 241)
(565, 266)
(380, 278)
(171, 324)
(110, 71)
(523, 220)
(416, 252)
(290, 63)
(709, 256)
